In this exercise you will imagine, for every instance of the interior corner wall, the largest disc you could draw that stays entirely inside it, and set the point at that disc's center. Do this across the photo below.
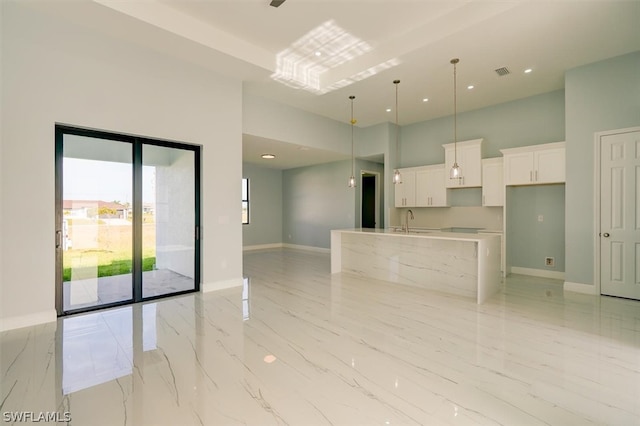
(56, 71)
(601, 96)
(316, 199)
(265, 206)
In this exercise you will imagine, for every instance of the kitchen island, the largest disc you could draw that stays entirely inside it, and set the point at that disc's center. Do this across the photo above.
(464, 264)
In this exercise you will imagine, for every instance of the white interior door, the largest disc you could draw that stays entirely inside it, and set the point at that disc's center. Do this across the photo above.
(620, 215)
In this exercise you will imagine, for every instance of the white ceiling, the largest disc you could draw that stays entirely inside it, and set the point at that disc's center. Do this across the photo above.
(413, 41)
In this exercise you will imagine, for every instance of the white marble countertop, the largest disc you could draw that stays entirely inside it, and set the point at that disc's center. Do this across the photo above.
(420, 233)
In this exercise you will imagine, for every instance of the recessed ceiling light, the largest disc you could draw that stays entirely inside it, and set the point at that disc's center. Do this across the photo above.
(318, 53)
(268, 156)
(528, 70)
(471, 86)
(388, 110)
(425, 99)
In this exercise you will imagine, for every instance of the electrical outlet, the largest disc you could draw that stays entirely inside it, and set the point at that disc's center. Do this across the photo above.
(540, 218)
(549, 261)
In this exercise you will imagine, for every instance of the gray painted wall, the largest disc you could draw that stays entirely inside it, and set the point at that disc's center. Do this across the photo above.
(316, 199)
(530, 121)
(528, 239)
(600, 96)
(265, 206)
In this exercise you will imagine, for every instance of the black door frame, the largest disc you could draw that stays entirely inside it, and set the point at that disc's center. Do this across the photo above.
(136, 145)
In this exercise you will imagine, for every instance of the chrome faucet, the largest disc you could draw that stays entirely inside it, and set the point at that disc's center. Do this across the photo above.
(408, 215)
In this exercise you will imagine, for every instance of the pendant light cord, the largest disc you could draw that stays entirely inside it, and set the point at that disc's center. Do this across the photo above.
(353, 161)
(396, 82)
(455, 114)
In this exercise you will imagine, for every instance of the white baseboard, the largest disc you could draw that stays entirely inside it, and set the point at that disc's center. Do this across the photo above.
(262, 246)
(221, 285)
(580, 288)
(543, 273)
(308, 248)
(21, 321)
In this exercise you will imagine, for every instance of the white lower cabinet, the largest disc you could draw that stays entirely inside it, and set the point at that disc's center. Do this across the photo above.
(431, 190)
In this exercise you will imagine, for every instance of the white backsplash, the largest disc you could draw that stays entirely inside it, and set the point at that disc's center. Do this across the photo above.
(489, 218)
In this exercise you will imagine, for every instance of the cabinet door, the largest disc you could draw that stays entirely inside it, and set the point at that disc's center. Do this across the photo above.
(423, 198)
(405, 192)
(471, 166)
(550, 165)
(409, 183)
(399, 193)
(518, 169)
(492, 183)
(470, 162)
(437, 188)
(430, 187)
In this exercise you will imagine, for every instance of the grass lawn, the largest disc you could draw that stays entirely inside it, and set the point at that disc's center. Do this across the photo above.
(113, 267)
(101, 250)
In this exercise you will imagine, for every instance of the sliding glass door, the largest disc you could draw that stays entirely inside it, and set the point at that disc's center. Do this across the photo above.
(168, 220)
(127, 219)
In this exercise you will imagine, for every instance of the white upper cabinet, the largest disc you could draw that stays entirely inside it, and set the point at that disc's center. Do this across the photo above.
(534, 165)
(469, 157)
(431, 190)
(492, 182)
(405, 192)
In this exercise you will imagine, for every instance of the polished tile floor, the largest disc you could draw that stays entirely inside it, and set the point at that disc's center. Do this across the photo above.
(299, 346)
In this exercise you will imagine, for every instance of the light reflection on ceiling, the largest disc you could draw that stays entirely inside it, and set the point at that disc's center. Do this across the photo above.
(321, 49)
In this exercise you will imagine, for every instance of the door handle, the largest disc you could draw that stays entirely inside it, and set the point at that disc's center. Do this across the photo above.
(606, 235)
(58, 239)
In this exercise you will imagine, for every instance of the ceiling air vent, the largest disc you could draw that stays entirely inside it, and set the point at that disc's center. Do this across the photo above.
(502, 71)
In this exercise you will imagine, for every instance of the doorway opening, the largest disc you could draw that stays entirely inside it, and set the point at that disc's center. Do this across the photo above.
(369, 199)
(127, 219)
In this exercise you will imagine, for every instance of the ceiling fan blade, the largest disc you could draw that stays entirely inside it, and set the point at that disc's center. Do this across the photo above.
(276, 3)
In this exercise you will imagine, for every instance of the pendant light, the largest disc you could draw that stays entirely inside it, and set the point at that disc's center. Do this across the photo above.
(397, 177)
(455, 172)
(352, 179)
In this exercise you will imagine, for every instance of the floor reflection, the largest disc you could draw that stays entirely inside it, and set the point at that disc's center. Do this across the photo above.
(99, 347)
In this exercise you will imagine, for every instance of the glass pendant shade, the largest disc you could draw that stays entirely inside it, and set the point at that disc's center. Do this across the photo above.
(397, 177)
(455, 172)
(352, 182)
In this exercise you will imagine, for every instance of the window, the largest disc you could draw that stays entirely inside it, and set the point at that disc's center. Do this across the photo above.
(245, 200)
